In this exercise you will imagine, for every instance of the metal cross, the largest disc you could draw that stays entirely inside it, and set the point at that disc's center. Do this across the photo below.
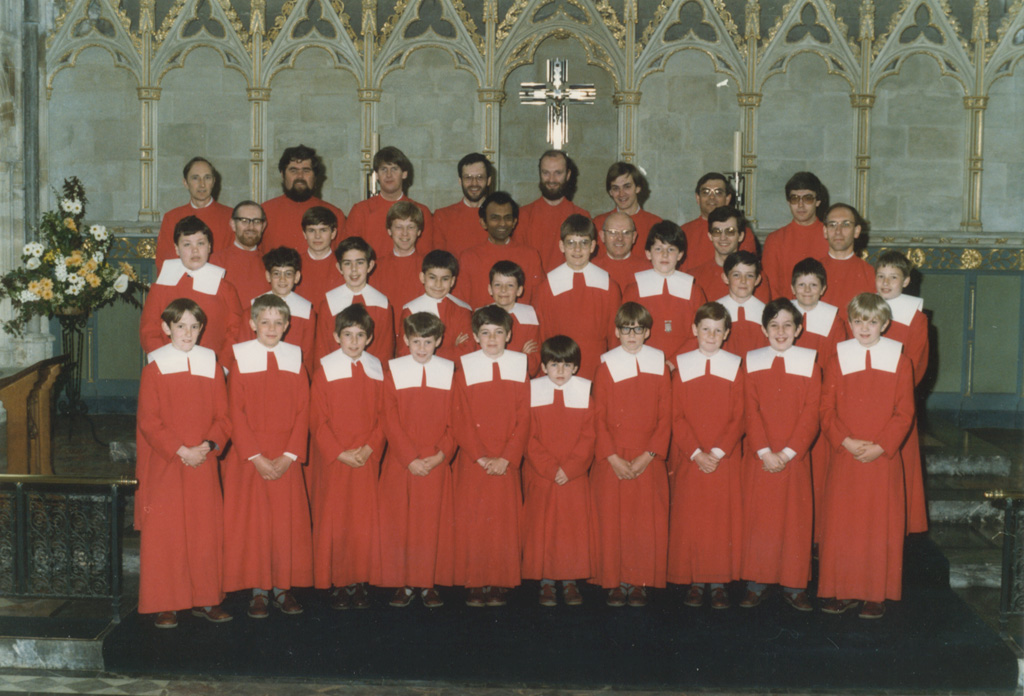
(557, 95)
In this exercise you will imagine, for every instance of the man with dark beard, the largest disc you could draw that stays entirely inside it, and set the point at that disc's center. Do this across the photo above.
(457, 226)
(541, 221)
(302, 177)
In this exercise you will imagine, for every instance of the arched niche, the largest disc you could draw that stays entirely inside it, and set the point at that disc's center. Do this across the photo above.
(805, 123)
(92, 132)
(1002, 190)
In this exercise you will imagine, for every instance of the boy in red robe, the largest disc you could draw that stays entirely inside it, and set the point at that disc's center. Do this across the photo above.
(910, 327)
(438, 274)
(283, 269)
(367, 219)
(742, 273)
(182, 422)
(415, 492)
(397, 269)
(802, 237)
(783, 392)
(356, 261)
(319, 267)
(727, 229)
(577, 297)
(491, 422)
(346, 458)
(706, 513)
(867, 411)
(556, 520)
(505, 288)
(629, 481)
(267, 542)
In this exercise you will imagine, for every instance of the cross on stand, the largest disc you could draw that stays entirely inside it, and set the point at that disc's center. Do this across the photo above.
(557, 95)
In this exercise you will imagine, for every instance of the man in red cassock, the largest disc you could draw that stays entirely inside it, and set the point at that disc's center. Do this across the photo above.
(368, 218)
(302, 177)
(615, 253)
(627, 186)
(242, 260)
(801, 238)
(541, 221)
(202, 182)
(848, 274)
(712, 191)
(457, 226)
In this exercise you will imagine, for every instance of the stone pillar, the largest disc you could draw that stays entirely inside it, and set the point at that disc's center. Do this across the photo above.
(863, 104)
(492, 99)
(975, 105)
(749, 103)
(368, 100)
(149, 97)
(627, 103)
(258, 98)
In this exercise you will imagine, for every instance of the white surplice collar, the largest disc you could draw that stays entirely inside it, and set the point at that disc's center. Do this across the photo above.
(338, 365)
(251, 356)
(650, 283)
(752, 308)
(624, 365)
(575, 392)
(407, 373)
(200, 361)
(885, 355)
(341, 297)
(560, 279)
(205, 280)
(692, 365)
(478, 367)
(798, 361)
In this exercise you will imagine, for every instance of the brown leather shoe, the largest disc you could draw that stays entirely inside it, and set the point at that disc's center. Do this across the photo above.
(798, 600)
(497, 597)
(752, 599)
(637, 596)
(839, 606)
(695, 597)
(616, 597)
(402, 597)
(287, 604)
(720, 598)
(872, 610)
(258, 607)
(547, 596)
(166, 619)
(476, 597)
(339, 599)
(213, 614)
(360, 597)
(571, 594)
(431, 598)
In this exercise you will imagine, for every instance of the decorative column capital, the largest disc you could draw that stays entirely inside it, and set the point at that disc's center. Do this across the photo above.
(148, 93)
(370, 95)
(746, 99)
(862, 101)
(979, 103)
(258, 94)
(620, 98)
(491, 95)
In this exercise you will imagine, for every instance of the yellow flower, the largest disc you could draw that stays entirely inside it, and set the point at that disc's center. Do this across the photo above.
(91, 265)
(93, 279)
(82, 272)
(46, 284)
(128, 270)
(70, 224)
(35, 287)
(75, 259)
(47, 294)
(49, 256)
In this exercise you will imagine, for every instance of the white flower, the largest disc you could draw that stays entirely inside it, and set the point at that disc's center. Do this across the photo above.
(76, 207)
(98, 256)
(74, 289)
(33, 263)
(98, 232)
(76, 280)
(121, 283)
(33, 249)
(60, 271)
(67, 205)
(28, 296)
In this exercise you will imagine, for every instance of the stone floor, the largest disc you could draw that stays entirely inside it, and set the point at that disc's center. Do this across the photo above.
(102, 447)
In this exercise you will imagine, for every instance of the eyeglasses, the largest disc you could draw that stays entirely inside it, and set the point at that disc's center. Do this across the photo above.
(576, 243)
(475, 177)
(249, 221)
(718, 233)
(807, 198)
(712, 192)
(834, 224)
(618, 233)
(627, 330)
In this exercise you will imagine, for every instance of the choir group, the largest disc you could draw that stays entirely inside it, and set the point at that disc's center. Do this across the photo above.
(490, 393)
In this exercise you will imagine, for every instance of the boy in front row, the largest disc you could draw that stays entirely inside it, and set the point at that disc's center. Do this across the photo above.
(491, 423)
(415, 490)
(556, 528)
(867, 409)
(346, 454)
(284, 270)
(629, 481)
(267, 543)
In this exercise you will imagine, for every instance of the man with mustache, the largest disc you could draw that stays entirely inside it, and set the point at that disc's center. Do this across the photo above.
(302, 177)
(540, 222)
(457, 226)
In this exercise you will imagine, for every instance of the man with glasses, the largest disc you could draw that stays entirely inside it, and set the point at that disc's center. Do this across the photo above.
(848, 274)
(202, 181)
(458, 225)
(368, 218)
(618, 236)
(727, 228)
(302, 177)
(713, 191)
(802, 238)
(242, 260)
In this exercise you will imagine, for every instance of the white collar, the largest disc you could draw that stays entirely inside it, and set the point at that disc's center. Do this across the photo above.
(575, 392)
(200, 361)
(852, 255)
(885, 355)
(251, 356)
(819, 320)
(407, 373)
(650, 283)
(797, 360)
(752, 308)
(298, 306)
(338, 365)
(477, 367)
(205, 280)
(560, 279)
(904, 307)
(341, 297)
(426, 303)
(200, 207)
(623, 365)
(327, 254)
(242, 248)
(692, 365)
(525, 314)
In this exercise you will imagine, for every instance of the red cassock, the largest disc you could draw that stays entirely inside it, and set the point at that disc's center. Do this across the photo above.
(457, 228)
(398, 277)
(207, 288)
(369, 219)
(847, 278)
(622, 270)
(318, 277)
(178, 508)
(526, 328)
(629, 540)
(267, 540)
(453, 313)
(709, 277)
(706, 514)
(540, 225)
(788, 246)
(868, 395)
(284, 222)
(581, 305)
(746, 333)
(490, 418)
(244, 269)
(783, 394)
(672, 302)
(699, 248)
(347, 402)
(301, 327)
(910, 327)
(216, 216)
(556, 518)
(642, 220)
(475, 270)
(416, 512)
(377, 306)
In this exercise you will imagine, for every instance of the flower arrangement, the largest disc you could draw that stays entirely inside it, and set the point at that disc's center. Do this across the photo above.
(67, 271)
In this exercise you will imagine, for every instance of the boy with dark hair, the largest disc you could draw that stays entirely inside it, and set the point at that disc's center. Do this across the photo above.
(505, 287)
(742, 273)
(801, 238)
(367, 219)
(319, 267)
(397, 270)
(439, 272)
(491, 423)
(727, 229)
(556, 513)
(346, 454)
(627, 186)
(283, 270)
(629, 481)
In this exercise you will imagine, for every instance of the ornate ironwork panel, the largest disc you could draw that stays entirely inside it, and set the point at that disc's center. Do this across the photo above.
(8, 545)
(68, 540)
